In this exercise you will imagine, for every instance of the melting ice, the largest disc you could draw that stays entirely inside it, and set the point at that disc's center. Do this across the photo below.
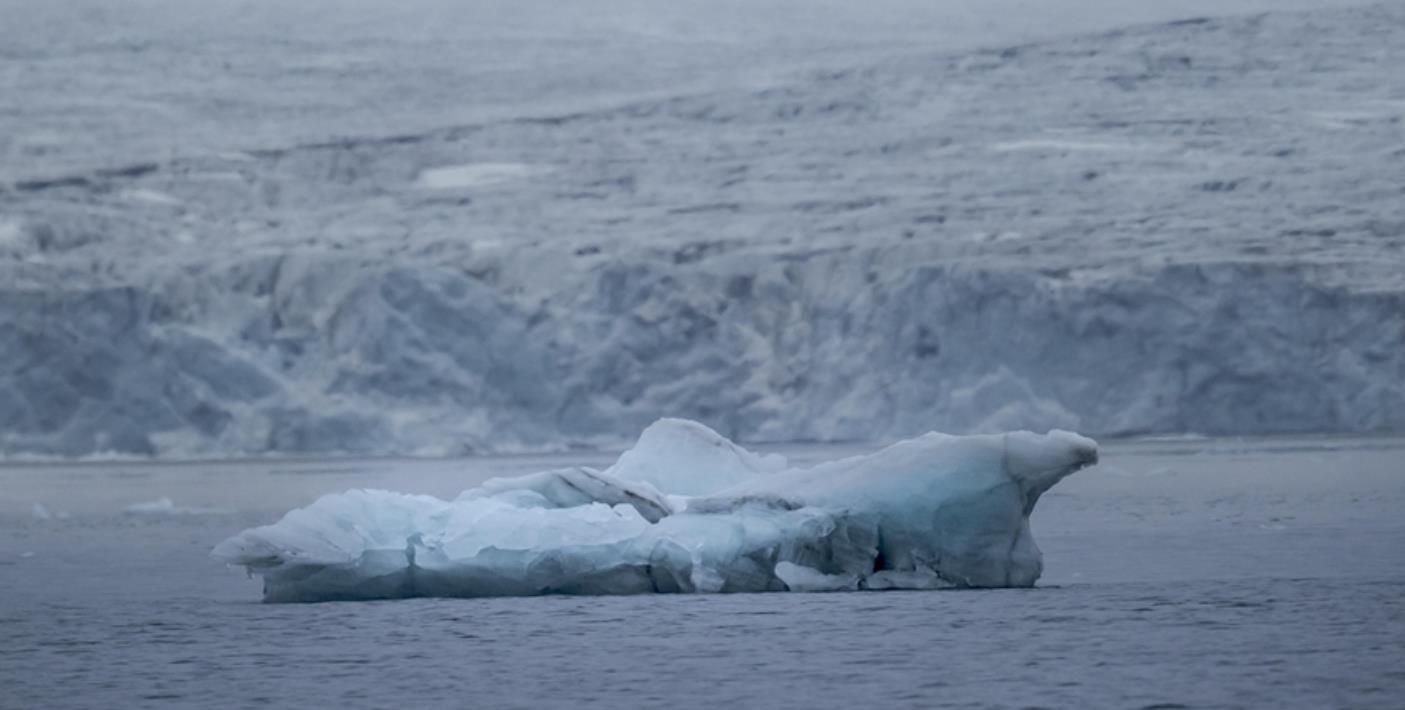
(685, 510)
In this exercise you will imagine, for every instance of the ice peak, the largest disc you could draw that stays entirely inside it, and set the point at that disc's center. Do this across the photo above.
(1037, 461)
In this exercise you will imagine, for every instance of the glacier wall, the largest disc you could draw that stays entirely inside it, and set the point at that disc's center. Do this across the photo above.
(1187, 227)
(321, 356)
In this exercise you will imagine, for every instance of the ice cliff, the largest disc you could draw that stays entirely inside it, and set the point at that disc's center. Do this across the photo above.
(1187, 227)
(935, 511)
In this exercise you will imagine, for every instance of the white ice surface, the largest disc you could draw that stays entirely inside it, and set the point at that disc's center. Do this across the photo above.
(451, 177)
(933, 511)
(686, 458)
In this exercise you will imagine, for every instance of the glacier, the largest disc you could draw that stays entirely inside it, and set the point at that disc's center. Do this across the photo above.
(1204, 214)
(931, 512)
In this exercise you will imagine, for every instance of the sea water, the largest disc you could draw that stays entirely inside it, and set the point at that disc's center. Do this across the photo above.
(1178, 573)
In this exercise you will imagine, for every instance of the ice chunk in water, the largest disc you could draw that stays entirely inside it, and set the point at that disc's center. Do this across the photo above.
(935, 511)
(166, 507)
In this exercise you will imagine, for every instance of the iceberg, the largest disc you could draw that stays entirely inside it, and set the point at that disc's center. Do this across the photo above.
(684, 511)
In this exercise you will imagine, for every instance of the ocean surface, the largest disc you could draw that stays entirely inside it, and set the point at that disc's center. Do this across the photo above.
(1181, 573)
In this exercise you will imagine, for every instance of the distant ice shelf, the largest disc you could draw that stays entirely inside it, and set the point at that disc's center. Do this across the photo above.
(931, 512)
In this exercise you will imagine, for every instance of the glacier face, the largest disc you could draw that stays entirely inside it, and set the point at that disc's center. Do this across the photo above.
(935, 511)
(1194, 227)
(312, 355)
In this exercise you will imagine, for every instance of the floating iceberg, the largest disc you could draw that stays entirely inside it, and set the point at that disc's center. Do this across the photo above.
(685, 510)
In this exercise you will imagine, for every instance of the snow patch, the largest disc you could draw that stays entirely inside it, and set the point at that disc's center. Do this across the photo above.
(150, 196)
(11, 233)
(1062, 145)
(453, 177)
(1345, 119)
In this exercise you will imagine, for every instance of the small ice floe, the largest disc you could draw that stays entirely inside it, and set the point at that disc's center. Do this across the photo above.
(42, 513)
(453, 177)
(165, 506)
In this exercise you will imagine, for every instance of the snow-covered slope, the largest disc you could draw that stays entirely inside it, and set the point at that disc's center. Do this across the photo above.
(1187, 227)
(935, 511)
